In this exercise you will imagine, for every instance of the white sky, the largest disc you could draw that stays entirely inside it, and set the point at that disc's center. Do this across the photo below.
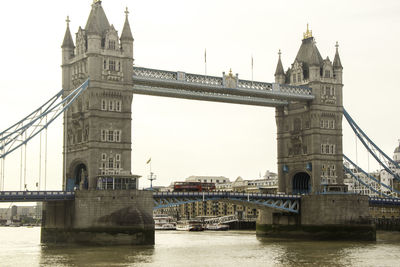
(185, 137)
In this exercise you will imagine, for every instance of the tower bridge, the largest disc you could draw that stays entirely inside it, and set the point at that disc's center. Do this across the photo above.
(308, 102)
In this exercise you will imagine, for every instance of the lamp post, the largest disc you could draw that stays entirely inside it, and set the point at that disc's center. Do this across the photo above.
(151, 177)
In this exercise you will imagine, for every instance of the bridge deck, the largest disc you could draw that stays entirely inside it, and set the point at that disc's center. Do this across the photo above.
(217, 89)
(255, 198)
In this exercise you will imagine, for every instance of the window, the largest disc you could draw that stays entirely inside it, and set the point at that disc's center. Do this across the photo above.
(327, 73)
(333, 91)
(110, 105)
(105, 64)
(110, 136)
(103, 104)
(111, 44)
(111, 163)
(321, 124)
(118, 157)
(294, 78)
(103, 135)
(326, 124)
(332, 124)
(104, 157)
(322, 149)
(118, 105)
(111, 65)
(299, 77)
(117, 136)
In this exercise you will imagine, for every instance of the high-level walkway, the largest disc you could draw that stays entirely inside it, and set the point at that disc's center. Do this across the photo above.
(227, 89)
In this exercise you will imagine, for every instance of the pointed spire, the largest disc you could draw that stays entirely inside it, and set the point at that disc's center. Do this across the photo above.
(126, 31)
(68, 41)
(336, 62)
(92, 27)
(97, 22)
(279, 67)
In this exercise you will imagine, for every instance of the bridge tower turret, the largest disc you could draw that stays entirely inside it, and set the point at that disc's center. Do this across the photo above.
(279, 72)
(97, 127)
(310, 157)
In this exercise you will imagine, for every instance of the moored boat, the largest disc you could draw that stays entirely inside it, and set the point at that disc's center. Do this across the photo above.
(217, 227)
(189, 225)
(164, 222)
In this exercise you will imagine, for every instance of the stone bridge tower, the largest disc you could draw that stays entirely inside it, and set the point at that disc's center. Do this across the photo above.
(97, 127)
(310, 157)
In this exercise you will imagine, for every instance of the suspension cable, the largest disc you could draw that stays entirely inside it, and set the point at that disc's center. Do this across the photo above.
(25, 186)
(20, 170)
(370, 176)
(361, 136)
(40, 161)
(45, 157)
(347, 170)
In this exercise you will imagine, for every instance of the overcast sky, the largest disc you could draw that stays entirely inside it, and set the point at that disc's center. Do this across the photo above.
(186, 137)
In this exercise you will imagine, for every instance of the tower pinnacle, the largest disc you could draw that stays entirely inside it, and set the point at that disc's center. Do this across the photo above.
(126, 12)
(307, 34)
(336, 61)
(126, 31)
(68, 42)
(279, 67)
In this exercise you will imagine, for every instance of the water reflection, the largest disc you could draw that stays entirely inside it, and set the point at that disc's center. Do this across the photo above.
(68, 255)
(312, 253)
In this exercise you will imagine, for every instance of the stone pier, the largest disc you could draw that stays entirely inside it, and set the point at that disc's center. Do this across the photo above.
(322, 217)
(117, 217)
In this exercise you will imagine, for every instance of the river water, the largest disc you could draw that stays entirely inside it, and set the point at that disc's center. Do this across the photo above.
(21, 246)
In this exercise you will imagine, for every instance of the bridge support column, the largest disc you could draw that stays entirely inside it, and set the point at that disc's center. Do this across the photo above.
(322, 217)
(118, 217)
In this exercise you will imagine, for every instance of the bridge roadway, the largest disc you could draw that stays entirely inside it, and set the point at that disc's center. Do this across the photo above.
(286, 203)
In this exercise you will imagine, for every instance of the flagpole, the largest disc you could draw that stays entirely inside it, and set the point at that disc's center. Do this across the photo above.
(205, 61)
(252, 69)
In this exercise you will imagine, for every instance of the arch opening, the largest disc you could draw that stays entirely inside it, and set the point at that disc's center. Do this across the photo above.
(301, 183)
(81, 177)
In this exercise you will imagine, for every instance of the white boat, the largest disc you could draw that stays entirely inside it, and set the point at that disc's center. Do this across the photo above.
(217, 227)
(189, 225)
(164, 222)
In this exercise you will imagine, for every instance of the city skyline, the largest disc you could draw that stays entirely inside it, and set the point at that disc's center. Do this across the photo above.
(208, 138)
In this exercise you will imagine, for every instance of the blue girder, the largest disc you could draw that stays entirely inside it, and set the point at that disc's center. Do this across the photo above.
(23, 131)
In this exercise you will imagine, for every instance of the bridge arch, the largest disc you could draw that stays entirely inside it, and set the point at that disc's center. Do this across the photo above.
(79, 175)
(301, 183)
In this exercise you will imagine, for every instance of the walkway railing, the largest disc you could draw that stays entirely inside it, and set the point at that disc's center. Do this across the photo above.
(35, 196)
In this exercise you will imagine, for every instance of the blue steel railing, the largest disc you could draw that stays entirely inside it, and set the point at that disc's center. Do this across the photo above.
(35, 196)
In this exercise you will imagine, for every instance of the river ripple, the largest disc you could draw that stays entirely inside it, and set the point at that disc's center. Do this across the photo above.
(21, 246)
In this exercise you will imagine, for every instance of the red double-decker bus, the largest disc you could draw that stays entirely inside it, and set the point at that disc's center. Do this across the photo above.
(193, 187)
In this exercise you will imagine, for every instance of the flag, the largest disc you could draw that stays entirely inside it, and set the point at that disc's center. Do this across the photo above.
(252, 62)
(205, 55)
(148, 161)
